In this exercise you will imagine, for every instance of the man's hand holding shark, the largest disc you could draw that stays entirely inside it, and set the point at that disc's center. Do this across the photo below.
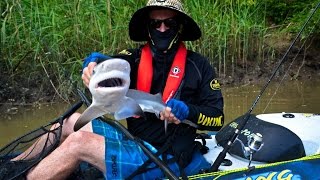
(110, 94)
(175, 112)
(87, 72)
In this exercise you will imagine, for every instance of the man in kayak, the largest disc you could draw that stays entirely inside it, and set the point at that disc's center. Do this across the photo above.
(163, 65)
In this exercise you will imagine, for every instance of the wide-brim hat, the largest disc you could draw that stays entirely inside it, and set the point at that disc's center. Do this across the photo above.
(138, 30)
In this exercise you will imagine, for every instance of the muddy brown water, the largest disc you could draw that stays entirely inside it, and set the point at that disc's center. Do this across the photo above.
(292, 96)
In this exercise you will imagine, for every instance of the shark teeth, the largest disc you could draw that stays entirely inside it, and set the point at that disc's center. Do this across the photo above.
(112, 82)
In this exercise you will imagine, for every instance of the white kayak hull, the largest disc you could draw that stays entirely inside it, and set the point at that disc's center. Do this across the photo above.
(305, 126)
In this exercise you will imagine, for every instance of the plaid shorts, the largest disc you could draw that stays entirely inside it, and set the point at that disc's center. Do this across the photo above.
(124, 156)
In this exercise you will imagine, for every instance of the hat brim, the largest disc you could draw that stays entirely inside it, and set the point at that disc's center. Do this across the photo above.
(138, 25)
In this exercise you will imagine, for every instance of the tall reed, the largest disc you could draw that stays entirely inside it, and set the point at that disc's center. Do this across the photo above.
(233, 32)
(52, 37)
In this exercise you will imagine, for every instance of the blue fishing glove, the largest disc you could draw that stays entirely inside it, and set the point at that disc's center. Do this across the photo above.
(179, 109)
(95, 57)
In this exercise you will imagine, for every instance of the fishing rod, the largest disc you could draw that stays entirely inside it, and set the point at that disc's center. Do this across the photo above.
(286, 73)
(241, 125)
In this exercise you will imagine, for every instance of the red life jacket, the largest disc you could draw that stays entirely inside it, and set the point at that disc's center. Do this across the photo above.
(175, 76)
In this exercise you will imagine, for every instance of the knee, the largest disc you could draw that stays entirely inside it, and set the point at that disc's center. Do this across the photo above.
(83, 143)
(69, 124)
(76, 141)
(86, 146)
(70, 121)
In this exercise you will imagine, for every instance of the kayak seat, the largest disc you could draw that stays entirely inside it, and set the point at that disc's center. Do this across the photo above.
(280, 143)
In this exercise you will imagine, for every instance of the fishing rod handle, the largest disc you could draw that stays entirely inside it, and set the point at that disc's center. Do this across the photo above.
(215, 166)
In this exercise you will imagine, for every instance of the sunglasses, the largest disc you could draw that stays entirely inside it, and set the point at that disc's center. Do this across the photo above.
(170, 23)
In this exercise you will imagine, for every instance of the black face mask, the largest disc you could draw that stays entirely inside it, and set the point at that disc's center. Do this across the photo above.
(164, 41)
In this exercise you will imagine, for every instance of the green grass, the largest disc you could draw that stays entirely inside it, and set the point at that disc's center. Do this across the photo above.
(233, 32)
(53, 37)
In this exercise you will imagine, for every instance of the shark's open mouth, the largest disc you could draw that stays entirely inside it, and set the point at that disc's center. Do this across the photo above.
(112, 82)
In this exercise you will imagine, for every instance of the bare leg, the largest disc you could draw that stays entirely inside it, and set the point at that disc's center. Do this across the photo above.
(67, 129)
(79, 146)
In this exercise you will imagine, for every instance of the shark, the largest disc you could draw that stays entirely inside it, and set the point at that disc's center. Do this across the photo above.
(149, 103)
(109, 87)
(153, 104)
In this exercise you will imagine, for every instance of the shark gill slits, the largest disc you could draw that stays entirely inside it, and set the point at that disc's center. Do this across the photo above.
(112, 82)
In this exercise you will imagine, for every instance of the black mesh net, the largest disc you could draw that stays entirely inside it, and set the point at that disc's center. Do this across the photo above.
(22, 154)
(25, 152)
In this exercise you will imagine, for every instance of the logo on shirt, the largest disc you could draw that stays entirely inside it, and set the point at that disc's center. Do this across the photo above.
(210, 121)
(175, 72)
(125, 52)
(214, 84)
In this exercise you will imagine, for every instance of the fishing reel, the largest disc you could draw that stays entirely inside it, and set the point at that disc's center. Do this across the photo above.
(254, 144)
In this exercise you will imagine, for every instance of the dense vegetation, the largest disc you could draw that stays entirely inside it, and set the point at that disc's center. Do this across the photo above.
(43, 42)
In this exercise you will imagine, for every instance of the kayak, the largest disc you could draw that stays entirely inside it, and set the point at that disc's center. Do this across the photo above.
(290, 147)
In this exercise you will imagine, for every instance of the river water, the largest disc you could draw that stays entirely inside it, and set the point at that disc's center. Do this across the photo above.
(292, 96)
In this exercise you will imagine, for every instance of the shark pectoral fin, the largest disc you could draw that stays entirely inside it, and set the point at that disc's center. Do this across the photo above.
(129, 108)
(88, 115)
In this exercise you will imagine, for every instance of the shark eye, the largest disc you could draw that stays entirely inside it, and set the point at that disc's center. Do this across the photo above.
(112, 82)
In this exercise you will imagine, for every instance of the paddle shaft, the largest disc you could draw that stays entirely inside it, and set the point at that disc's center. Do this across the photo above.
(241, 125)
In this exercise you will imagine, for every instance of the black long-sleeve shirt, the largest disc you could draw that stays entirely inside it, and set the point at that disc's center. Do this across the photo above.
(200, 91)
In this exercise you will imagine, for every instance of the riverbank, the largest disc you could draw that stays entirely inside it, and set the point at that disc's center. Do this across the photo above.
(292, 96)
(34, 89)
